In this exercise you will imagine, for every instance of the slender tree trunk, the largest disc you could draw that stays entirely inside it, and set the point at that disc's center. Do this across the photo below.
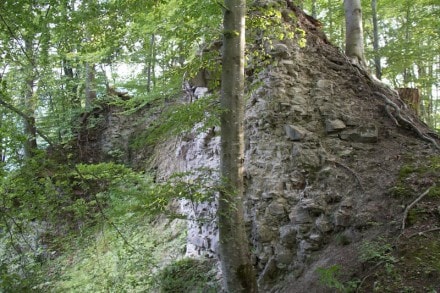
(330, 18)
(377, 64)
(407, 76)
(150, 64)
(238, 273)
(71, 86)
(30, 130)
(2, 146)
(354, 39)
(90, 91)
(314, 13)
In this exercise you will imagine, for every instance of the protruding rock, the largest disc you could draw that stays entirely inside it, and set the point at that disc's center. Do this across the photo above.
(342, 218)
(324, 84)
(334, 125)
(265, 234)
(323, 224)
(288, 236)
(365, 134)
(300, 216)
(283, 256)
(313, 206)
(280, 50)
(200, 92)
(294, 132)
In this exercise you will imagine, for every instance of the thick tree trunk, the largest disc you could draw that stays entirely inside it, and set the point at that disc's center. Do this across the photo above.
(411, 96)
(238, 273)
(377, 64)
(354, 40)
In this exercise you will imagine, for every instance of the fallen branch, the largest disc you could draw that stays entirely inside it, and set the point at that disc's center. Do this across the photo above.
(405, 213)
(373, 269)
(422, 233)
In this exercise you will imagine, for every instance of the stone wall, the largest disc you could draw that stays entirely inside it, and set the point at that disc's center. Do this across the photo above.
(321, 155)
(318, 163)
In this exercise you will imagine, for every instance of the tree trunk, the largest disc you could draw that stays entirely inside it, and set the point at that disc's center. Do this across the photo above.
(90, 91)
(411, 97)
(71, 86)
(330, 19)
(30, 130)
(377, 64)
(238, 273)
(314, 13)
(150, 64)
(354, 40)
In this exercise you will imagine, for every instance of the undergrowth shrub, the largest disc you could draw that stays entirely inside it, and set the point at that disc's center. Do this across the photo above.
(48, 207)
(189, 275)
(331, 278)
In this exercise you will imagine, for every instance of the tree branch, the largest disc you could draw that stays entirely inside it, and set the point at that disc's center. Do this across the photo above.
(405, 213)
(22, 49)
(422, 233)
(26, 117)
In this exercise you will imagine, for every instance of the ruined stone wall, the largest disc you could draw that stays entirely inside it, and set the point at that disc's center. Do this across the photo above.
(321, 155)
(320, 158)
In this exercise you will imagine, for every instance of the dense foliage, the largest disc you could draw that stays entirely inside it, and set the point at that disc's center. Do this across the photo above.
(61, 58)
(407, 38)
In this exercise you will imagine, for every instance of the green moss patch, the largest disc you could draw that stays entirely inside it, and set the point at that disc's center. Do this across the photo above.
(413, 266)
(416, 176)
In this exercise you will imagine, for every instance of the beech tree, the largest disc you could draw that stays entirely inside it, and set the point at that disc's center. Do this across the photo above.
(236, 266)
(377, 62)
(354, 36)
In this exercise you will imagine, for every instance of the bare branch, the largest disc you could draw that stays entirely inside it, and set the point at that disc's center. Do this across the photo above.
(26, 117)
(405, 213)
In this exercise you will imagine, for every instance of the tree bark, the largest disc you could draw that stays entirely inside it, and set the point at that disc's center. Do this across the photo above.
(314, 13)
(71, 85)
(330, 18)
(30, 130)
(150, 63)
(90, 91)
(24, 117)
(238, 273)
(407, 74)
(377, 64)
(354, 40)
(411, 96)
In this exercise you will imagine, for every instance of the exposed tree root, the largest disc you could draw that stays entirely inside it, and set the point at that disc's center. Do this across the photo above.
(398, 116)
(405, 213)
(349, 170)
(352, 172)
(335, 64)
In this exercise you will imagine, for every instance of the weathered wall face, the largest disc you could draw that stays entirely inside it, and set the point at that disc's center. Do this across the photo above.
(200, 150)
(321, 157)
